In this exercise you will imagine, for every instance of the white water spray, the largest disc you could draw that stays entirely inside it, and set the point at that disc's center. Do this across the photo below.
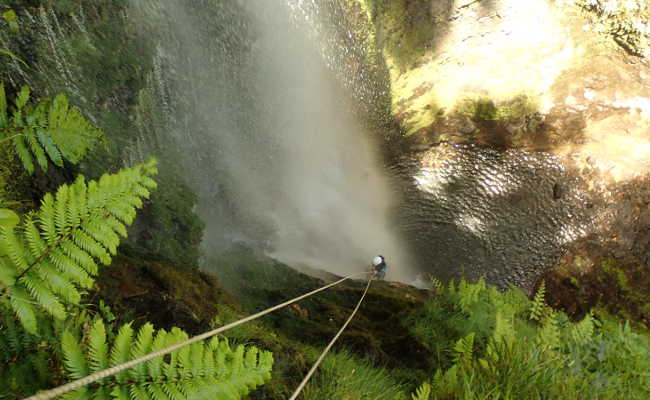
(292, 156)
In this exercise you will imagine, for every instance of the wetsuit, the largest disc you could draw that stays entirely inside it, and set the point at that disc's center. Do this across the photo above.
(380, 270)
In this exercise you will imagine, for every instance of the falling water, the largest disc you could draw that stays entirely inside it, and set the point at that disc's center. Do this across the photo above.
(269, 138)
(257, 98)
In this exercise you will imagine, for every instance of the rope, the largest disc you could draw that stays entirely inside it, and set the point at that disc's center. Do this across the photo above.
(329, 346)
(74, 385)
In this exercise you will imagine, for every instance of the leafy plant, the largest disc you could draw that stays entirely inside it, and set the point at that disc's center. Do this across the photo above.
(506, 346)
(11, 19)
(53, 253)
(343, 376)
(204, 370)
(8, 218)
(12, 56)
(25, 359)
(422, 393)
(50, 129)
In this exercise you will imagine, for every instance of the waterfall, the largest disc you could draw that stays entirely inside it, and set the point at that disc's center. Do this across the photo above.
(269, 138)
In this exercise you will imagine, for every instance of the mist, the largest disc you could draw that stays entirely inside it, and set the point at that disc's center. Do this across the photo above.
(282, 165)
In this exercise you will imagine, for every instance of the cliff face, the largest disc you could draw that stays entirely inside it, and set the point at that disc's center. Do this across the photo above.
(539, 75)
(565, 78)
(138, 287)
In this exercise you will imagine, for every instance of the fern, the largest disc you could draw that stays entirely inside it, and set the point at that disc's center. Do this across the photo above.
(583, 332)
(503, 328)
(538, 306)
(25, 359)
(422, 393)
(206, 370)
(464, 348)
(436, 284)
(54, 252)
(504, 345)
(50, 129)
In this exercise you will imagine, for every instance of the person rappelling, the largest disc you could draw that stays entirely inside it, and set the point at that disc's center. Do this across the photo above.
(379, 267)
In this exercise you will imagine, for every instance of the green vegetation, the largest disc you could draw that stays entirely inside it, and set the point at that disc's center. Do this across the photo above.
(94, 55)
(346, 377)
(210, 370)
(493, 344)
(53, 253)
(12, 56)
(485, 109)
(50, 129)
(174, 231)
(46, 265)
(404, 28)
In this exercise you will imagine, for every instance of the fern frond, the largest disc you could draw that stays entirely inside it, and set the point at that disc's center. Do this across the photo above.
(582, 332)
(50, 129)
(539, 304)
(549, 334)
(121, 350)
(199, 374)
(141, 347)
(74, 360)
(503, 328)
(422, 393)
(97, 348)
(437, 285)
(26, 361)
(464, 348)
(55, 251)
(21, 304)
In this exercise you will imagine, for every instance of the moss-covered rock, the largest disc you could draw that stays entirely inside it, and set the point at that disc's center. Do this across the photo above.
(609, 270)
(141, 288)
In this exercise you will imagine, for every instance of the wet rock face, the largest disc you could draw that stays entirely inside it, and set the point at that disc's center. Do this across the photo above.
(476, 212)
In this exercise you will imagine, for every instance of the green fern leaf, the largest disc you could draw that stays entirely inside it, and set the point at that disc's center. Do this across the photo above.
(53, 130)
(21, 304)
(35, 147)
(50, 148)
(79, 394)
(188, 373)
(139, 392)
(22, 98)
(54, 251)
(46, 218)
(539, 304)
(121, 350)
(8, 273)
(464, 348)
(422, 393)
(36, 244)
(73, 358)
(23, 154)
(15, 248)
(142, 345)
(98, 349)
(155, 367)
(40, 291)
(120, 393)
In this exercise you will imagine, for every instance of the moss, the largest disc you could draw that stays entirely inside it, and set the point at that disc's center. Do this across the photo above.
(259, 282)
(485, 109)
(142, 288)
(611, 286)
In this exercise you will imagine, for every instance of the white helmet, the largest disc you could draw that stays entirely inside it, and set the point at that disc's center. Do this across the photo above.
(377, 260)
